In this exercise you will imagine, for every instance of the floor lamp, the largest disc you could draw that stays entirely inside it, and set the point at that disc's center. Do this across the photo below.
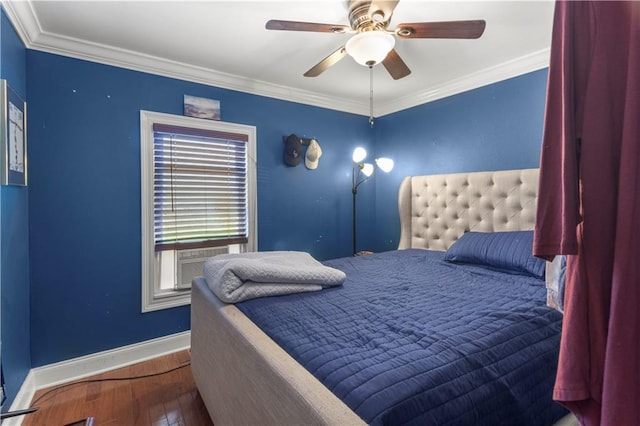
(359, 174)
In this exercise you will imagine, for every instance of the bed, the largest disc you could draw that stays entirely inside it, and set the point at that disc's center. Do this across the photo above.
(250, 374)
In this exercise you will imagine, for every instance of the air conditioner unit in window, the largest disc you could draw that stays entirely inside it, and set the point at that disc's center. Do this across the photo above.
(189, 264)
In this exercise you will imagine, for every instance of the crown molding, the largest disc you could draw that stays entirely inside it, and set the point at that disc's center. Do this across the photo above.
(24, 20)
(30, 31)
(513, 68)
(122, 58)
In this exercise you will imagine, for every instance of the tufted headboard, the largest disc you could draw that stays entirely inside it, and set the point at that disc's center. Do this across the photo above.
(436, 210)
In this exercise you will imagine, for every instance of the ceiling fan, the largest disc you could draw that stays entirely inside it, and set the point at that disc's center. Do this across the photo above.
(373, 42)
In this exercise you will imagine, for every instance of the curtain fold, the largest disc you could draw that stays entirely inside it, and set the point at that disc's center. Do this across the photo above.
(589, 205)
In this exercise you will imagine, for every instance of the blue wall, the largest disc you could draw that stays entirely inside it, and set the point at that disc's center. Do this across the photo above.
(14, 238)
(84, 195)
(495, 127)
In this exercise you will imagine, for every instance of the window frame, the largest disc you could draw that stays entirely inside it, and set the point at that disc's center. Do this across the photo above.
(150, 300)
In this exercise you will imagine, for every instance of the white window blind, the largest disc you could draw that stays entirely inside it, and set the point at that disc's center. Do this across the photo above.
(200, 188)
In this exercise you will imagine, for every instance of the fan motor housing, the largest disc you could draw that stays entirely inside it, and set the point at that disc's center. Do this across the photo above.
(359, 18)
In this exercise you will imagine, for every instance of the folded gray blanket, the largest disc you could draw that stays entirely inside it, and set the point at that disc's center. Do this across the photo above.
(237, 277)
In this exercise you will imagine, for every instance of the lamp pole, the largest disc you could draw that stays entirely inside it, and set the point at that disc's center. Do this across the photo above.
(354, 191)
(365, 170)
(355, 183)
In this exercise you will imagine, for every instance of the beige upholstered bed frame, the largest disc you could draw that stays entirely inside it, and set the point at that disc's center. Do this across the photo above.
(246, 378)
(436, 210)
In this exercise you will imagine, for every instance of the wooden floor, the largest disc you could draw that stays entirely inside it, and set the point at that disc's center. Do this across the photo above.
(165, 400)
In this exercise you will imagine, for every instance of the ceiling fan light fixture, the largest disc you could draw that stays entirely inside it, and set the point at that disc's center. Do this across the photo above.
(370, 47)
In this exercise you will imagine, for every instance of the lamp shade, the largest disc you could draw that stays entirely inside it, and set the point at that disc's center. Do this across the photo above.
(359, 154)
(367, 169)
(386, 164)
(370, 47)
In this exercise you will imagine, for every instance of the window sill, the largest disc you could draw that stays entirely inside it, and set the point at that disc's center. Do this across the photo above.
(170, 299)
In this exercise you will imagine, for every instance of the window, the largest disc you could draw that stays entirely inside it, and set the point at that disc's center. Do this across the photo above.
(198, 200)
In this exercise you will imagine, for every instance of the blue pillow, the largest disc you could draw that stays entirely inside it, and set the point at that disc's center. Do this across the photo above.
(505, 251)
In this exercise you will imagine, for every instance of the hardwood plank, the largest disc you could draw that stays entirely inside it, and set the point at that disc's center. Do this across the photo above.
(105, 408)
(157, 393)
(140, 401)
(73, 408)
(92, 391)
(191, 404)
(165, 400)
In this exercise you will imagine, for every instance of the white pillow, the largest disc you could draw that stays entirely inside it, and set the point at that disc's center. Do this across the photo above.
(554, 277)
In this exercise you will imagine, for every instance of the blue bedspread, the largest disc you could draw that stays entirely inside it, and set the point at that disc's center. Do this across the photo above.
(412, 339)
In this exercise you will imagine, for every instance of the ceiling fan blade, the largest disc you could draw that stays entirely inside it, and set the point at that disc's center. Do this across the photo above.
(451, 29)
(327, 62)
(275, 24)
(385, 7)
(395, 65)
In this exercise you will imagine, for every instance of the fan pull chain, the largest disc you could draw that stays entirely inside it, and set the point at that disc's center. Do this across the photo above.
(371, 95)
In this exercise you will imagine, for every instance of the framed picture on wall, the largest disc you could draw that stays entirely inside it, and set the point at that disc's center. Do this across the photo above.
(13, 133)
(201, 107)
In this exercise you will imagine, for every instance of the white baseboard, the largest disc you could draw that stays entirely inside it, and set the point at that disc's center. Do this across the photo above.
(22, 400)
(78, 368)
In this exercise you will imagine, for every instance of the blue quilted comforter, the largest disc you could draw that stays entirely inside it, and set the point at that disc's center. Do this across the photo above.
(412, 339)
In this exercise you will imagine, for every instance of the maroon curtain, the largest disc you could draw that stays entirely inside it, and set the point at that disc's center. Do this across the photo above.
(589, 205)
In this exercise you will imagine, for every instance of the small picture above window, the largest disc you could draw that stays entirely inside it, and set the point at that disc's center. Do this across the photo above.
(201, 107)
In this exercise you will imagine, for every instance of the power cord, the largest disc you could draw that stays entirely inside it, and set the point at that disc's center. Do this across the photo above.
(57, 388)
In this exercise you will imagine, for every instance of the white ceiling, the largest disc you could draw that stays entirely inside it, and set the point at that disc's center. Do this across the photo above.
(225, 44)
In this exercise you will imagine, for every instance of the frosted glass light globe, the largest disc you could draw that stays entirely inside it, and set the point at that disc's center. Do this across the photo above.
(367, 169)
(370, 47)
(359, 154)
(386, 164)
